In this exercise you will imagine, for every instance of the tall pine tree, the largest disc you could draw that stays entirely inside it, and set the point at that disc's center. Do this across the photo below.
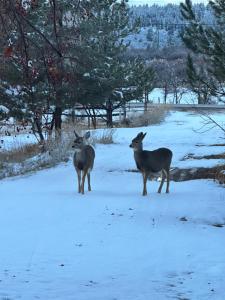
(207, 41)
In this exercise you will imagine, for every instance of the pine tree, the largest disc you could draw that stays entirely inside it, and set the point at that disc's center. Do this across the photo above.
(108, 80)
(65, 52)
(20, 63)
(207, 41)
(196, 79)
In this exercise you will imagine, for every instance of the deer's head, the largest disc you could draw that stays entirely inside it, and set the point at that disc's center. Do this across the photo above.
(80, 141)
(136, 143)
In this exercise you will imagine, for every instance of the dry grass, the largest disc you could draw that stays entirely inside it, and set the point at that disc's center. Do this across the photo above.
(154, 115)
(55, 147)
(106, 136)
(220, 175)
(211, 156)
(20, 153)
(21, 158)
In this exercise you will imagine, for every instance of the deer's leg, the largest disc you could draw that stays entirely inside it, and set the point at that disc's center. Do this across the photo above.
(168, 181)
(78, 179)
(83, 180)
(89, 180)
(145, 177)
(162, 181)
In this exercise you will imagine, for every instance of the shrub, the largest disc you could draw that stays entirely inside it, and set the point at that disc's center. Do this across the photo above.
(20, 153)
(155, 115)
(106, 136)
(20, 159)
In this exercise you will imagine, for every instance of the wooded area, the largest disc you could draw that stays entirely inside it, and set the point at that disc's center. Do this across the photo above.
(57, 54)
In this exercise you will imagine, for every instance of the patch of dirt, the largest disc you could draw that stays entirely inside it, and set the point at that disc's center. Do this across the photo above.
(211, 145)
(183, 219)
(219, 145)
(178, 174)
(218, 225)
(212, 156)
(217, 173)
(20, 153)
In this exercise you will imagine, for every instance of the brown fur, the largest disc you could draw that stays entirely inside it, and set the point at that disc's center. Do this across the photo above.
(83, 160)
(150, 162)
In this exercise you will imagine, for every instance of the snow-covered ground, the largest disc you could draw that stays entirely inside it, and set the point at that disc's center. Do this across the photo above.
(181, 132)
(185, 97)
(112, 243)
(139, 40)
(160, 2)
(16, 141)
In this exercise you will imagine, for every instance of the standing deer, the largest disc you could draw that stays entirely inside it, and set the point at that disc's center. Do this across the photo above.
(150, 162)
(83, 160)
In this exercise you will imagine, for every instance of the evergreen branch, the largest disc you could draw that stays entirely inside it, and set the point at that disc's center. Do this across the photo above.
(35, 29)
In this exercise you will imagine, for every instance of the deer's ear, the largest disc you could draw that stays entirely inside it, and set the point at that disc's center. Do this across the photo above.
(76, 134)
(143, 135)
(87, 135)
(140, 134)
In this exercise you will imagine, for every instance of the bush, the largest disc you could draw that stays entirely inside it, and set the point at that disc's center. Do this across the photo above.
(154, 115)
(21, 159)
(20, 153)
(106, 136)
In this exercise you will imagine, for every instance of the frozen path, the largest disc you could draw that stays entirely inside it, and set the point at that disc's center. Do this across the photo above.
(112, 243)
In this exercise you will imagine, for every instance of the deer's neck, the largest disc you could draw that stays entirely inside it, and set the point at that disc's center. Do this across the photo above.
(79, 154)
(139, 148)
(137, 153)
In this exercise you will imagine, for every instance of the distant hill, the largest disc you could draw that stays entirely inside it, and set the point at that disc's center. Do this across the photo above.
(161, 26)
(162, 2)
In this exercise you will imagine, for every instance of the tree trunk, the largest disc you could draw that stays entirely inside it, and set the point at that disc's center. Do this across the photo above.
(58, 120)
(145, 101)
(176, 95)
(109, 112)
(165, 93)
(200, 99)
(124, 111)
(73, 116)
(94, 119)
(37, 123)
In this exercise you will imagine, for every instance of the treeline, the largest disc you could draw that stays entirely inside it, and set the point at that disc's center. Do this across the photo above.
(163, 25)
(56, 54)
(185, 46)
(167, 15)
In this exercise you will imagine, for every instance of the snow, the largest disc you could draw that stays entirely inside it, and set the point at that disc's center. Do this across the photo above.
(138, 40)
(113, 243)
(16, 141)
(186, 96)
(160, 2)
(181, 133)
(4, 109)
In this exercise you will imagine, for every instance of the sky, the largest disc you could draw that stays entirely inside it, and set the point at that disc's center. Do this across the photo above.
(161, 2)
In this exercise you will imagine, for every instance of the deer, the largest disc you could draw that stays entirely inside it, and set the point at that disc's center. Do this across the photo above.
(83, 160)
(151, 162)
